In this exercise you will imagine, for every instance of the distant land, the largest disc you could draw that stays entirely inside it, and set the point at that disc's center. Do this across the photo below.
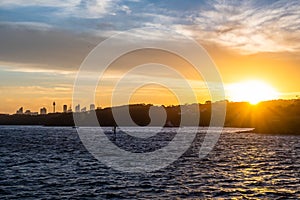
(272, 117)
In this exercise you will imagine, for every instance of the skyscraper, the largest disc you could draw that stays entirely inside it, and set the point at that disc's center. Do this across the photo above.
(70, 109)
(43, 111)
(83, 109)
(77, 108)
(27, 112)
(92, 107)
(53, 106)
(65, 108)
(20, 111)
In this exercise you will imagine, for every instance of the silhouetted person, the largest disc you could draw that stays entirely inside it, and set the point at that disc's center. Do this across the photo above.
(115, 129)
(114, 132)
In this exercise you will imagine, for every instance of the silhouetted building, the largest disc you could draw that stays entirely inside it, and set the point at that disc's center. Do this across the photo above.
(54, 107)
(70, 109)
(92, 107)
(65, 108)
(20, 111)
(27, 112)
(77, 108)
(43, 111)
(34, 113)
(83, 109)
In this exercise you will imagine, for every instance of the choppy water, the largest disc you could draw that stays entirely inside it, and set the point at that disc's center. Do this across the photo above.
(52, 163)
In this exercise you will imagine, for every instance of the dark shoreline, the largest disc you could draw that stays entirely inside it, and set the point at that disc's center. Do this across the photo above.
(273, 117)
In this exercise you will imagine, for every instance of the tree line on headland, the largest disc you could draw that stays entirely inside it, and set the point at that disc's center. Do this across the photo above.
(277, 116)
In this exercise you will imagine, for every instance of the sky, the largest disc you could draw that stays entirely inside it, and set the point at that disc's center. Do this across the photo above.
(43, 43)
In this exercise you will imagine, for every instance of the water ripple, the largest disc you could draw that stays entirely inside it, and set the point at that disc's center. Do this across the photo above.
(52, 163)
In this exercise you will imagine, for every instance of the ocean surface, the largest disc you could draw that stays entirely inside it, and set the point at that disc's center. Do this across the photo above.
(52, 163)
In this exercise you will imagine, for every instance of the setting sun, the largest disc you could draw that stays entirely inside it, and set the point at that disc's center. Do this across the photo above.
(252, 91)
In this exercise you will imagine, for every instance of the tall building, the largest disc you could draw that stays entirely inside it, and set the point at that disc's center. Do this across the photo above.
(77, 108)
(20, 111)
(70, 109)
(53, 106)
(92, 107)
(43, 111)
(83, 109)
(27, 112)
(65, 108)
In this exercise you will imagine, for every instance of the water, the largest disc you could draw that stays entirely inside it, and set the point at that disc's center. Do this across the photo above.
(52, 163)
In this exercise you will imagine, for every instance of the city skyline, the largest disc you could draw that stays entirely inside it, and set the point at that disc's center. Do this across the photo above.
(65, 109)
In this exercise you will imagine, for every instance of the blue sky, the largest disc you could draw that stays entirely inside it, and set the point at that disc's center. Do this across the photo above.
(210, 21)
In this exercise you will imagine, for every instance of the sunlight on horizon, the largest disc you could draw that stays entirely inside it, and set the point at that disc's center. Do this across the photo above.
(253, 91)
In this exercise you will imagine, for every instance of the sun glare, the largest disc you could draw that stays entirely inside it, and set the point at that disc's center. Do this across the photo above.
(251, 91)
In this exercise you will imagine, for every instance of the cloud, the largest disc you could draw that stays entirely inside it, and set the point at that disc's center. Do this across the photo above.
(27, 25)
(248, 27)
(25, 47)
(51, 3)
(93, 8)
(74, 8)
